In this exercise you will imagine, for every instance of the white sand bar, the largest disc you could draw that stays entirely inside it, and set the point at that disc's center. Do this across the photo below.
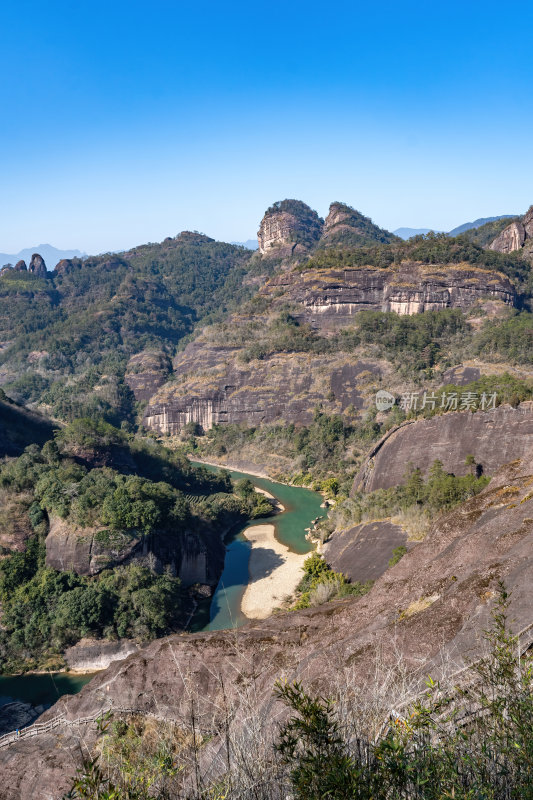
(275, 572)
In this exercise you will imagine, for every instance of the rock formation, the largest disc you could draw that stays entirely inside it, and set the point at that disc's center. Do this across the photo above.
(435, 602)
(362, 552)
(330, 297)
(516, 235)
(216, 387)
(344, 226)
(86, 551)
(492, 437)
(37, 266)
(289, 228)
(217, 383)
(20, 266)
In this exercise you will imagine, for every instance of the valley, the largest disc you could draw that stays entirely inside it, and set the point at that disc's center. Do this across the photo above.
(201, 497)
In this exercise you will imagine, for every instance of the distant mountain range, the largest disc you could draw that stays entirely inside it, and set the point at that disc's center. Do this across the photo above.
(50, 254)
(251, 244)
(467, 226)
(407, 233)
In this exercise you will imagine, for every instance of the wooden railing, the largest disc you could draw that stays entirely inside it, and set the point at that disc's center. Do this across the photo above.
(38, 728)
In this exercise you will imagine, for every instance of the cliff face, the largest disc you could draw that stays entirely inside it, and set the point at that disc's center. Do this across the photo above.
(517, 235)
(435, 601)
(330, 297)
(216, 382)
(194, 558)
(86, 551)
(289, 228)
(492, 437)
(215, 386)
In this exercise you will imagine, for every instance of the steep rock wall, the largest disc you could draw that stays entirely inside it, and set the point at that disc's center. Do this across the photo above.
(493, 437)
(331, 297)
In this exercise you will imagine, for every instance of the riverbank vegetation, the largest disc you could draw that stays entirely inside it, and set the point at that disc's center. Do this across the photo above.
(320, 584)
(139, 504)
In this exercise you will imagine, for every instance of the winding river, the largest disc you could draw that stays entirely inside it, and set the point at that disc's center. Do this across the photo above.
(301, 507)
(223, 610)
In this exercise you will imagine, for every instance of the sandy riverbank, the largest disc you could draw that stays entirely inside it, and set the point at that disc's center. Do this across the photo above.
(275, 572)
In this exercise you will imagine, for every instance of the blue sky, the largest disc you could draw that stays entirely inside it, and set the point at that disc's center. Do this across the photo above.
(126, 122)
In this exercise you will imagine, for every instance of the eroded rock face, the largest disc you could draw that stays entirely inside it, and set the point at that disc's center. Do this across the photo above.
(194, 557)
(20, 266)
(288, 228)
(95, 654)
(515, 236)
(330, 297)
(217, 387)
(86, 551)
(492, 437)
(455, 572)
(37, 266)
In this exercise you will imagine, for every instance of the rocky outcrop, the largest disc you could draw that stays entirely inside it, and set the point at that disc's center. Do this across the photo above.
(362, 552)
(216, 386)
(146, 372)
(331, 297)
(20, 266)
(516, 235)
(195, 557)
(90, 655)
(434, 603)
(87, 551)
(492, 437)
(289, 228)
(344, 226)
(37, 266)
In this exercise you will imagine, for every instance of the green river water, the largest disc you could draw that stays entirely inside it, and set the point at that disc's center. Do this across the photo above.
(222, 611)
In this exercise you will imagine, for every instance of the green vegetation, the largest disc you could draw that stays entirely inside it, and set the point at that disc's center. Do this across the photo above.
(44, 611)
(415, 503)
(397, 555)
(432, 248)
(166, 500)
(84, 322)
(321, 584)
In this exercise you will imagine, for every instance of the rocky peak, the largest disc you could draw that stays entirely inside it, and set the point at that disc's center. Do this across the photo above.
(20, 266)
(289, 227)
(516, 235)
(346, 226)
(37, 266)
(63, 267)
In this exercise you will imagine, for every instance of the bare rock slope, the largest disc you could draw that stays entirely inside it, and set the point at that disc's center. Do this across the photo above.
(493, 437)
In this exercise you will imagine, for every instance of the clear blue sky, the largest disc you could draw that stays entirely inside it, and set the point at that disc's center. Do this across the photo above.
(125, 122)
